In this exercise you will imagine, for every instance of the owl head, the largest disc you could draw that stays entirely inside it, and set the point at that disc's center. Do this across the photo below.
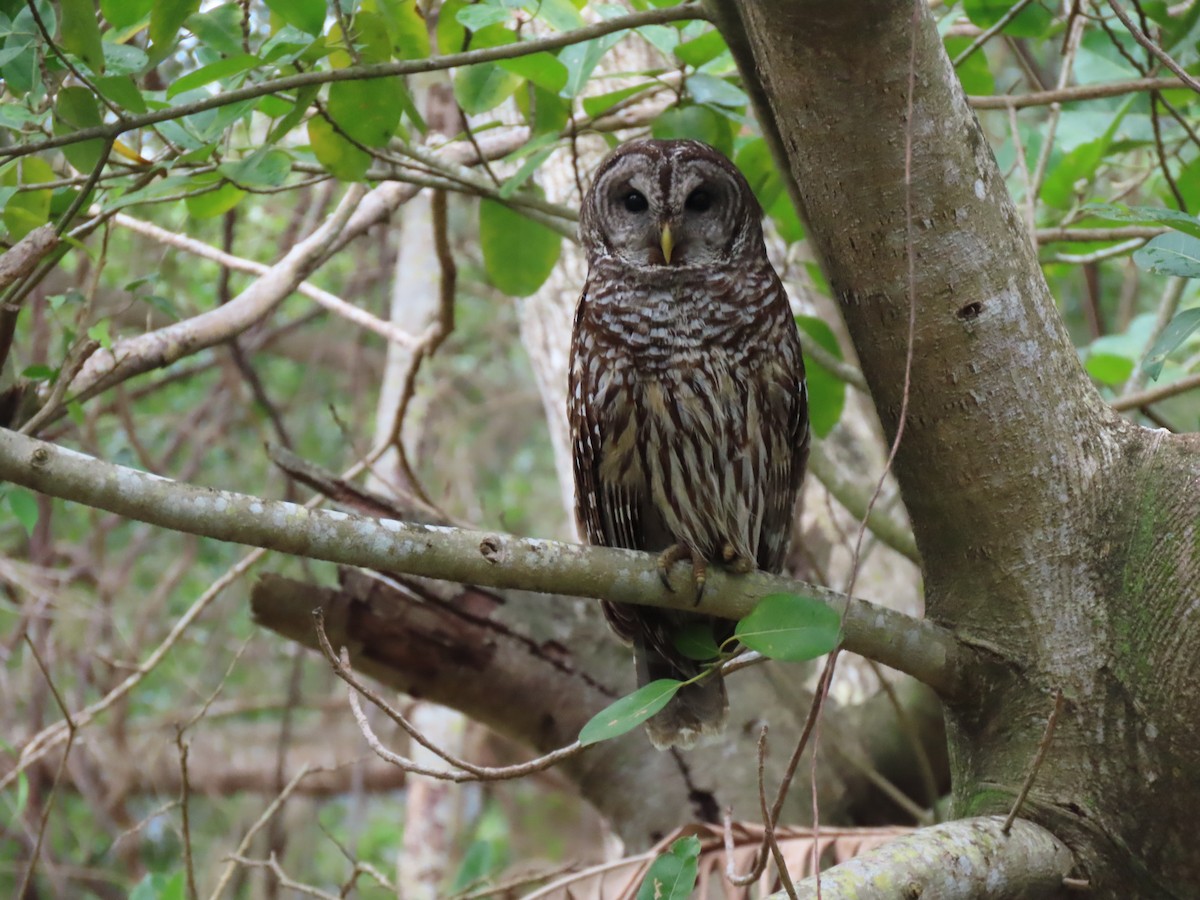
(666, 204)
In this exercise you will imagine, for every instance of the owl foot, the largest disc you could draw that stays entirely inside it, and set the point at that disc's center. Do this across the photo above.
(738, 565)
(674, 554)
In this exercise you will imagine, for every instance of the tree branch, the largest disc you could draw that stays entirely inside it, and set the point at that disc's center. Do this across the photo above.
(962, 859)
(916, 646)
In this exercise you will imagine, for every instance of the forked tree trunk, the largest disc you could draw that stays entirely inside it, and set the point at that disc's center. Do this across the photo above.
(1057, 538)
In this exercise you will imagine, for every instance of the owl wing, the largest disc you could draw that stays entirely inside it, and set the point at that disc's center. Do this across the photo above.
(609, 513)
(786, 402)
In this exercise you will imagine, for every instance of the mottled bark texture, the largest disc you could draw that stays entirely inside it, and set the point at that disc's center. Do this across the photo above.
(1056, 537)
(534, 670)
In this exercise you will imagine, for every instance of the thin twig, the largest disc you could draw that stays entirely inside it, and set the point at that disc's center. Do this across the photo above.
(1159, 53)
(469, 771)
(1047, 737)
(1154, 395)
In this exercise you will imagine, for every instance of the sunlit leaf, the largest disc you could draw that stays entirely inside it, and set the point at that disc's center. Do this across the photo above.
(407, 29)
(367, 111)
(629, 712)
(826, 392)
(214, 203)
(973, 72)
(335, 153)
(1177, 331)
(672, 876)
(519, 254)
(790, 627)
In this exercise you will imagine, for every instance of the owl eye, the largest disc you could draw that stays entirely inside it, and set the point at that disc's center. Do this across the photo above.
(698, 200)
(635, 202)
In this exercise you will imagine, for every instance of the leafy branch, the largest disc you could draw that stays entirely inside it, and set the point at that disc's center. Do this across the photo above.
(113, 130)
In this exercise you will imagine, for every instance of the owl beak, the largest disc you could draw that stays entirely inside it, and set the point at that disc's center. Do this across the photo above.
(667, 242)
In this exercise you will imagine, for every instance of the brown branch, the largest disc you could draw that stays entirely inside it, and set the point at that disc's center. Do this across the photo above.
(1076, 93)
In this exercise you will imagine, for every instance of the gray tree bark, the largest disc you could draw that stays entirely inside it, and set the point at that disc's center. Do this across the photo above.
(1057, 538)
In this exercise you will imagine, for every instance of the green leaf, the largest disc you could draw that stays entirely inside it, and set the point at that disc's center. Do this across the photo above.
(672, 876)
(790, 627)
(541, 69)
(219, 29)
(121, 90)
(74, 110)
(629, 712)
(1176, 332)
(125, 13)
(519, 254)
(581, 59)
(39, 373)
(561, 15)
(701, 123)
(343, 160)
(210, 204)
(27, 210)
(159, 886)
(1171, 253)
(222, 68)
(307, 15)
(715, 91)
(368, 111)
(1033, 21)
(973, 72)
(1146, 215)
(24, 506)
(81, 33)
(701, 50)
(1109, 368)
(99, 334)
(600, 103)
(826, 392)
(695, 641)
(262, 169)
(166, 18)
(478, 16)
(406, 28)
(483, 87)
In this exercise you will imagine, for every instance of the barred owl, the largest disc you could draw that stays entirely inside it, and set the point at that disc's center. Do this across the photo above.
(687, 401)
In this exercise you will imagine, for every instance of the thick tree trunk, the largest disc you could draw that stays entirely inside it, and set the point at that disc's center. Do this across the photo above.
(1056, 537)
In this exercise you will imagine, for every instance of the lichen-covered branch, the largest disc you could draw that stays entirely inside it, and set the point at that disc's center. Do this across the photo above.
(969, 858)
(918, 647)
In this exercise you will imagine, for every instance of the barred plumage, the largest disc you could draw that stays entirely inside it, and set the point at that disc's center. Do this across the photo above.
(687, 401)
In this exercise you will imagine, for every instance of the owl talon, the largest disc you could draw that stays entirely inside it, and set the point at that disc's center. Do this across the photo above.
(699, 577)
(668, 558)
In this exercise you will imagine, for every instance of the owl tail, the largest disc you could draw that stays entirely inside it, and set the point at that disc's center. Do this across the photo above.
(697, 712)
